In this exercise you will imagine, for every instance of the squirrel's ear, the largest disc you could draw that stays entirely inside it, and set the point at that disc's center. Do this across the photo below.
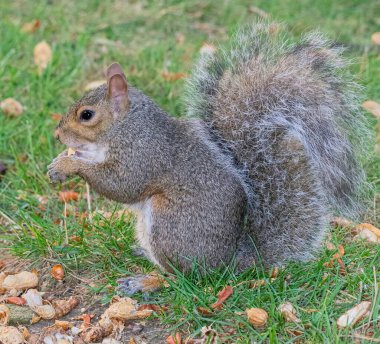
(117, 87)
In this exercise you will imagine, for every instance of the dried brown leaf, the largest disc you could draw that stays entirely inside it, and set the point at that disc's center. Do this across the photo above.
(152, 307)
(169, 76)
(176, 339)
(258, 11)
(64, 325)
(341, 222)
(56, 117)
(223, 295)
(354, 315)
(375, 38)
(31, 27)
(16, 300)
(11, 107)
(67, 196)
(207, 49)
(42, 56)
(204, 311)
(372, 107)
(288, 312)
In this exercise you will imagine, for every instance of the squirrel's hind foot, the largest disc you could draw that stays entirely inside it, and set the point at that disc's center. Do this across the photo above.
(143, 283)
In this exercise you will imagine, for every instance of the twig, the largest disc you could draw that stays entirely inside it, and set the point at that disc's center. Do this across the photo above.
(88, 196)
(65, 224)
(374, 297)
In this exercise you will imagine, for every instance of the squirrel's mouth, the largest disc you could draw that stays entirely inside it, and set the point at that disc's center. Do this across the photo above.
(89, 152)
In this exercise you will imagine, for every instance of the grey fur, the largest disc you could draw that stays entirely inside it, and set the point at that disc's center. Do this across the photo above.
(261, 172)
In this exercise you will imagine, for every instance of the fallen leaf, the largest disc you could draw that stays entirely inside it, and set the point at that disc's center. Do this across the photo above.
(57, 272)
(42, 56)
(75, 238)
(257, 283)
(354, 315)
(294, 332)
(288, 312)
(64, 325)
(15, 300)
(368, 231)
(180, 38)
(154, 308)
(86, 320)
(132, 340)
(372, 107)
(341, 222)
(368, 236)
(258, 11)
(223, 295)
(204, 311)
(67, 196)
(337, 257)
(11, 107)
(257, 317)
(56, 117)
(174, 340)
(375, 38)
(168, 76)
(377, 144)
(31, 27)
(329, 245)
(275, 272)
(207, 49)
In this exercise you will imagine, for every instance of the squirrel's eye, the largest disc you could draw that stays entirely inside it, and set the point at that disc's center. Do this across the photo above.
(86, 115)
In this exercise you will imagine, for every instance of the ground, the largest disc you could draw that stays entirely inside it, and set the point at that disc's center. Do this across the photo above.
(157, 42)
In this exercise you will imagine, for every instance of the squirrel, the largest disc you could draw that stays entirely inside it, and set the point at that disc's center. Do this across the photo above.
(268, 151)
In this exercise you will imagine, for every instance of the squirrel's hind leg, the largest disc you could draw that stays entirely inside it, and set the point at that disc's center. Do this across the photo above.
(290, 218)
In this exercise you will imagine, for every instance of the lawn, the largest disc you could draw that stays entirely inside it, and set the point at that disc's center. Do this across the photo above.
(151, 40)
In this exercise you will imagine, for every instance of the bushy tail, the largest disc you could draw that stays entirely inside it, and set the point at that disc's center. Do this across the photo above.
(268, 98)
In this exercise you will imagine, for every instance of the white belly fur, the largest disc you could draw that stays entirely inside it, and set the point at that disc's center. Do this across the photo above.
(144, 213)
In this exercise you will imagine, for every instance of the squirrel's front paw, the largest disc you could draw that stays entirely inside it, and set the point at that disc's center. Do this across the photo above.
(57, 170)
(56, 176)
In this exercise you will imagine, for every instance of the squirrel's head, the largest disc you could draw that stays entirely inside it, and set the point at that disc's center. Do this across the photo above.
(95, 113)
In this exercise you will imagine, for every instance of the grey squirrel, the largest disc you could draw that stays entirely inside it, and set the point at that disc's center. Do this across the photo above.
(272, 153)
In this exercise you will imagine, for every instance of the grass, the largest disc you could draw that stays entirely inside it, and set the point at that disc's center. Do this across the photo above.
(147, 38)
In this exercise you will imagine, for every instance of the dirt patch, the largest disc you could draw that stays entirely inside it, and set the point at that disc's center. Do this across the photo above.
(142, 331)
